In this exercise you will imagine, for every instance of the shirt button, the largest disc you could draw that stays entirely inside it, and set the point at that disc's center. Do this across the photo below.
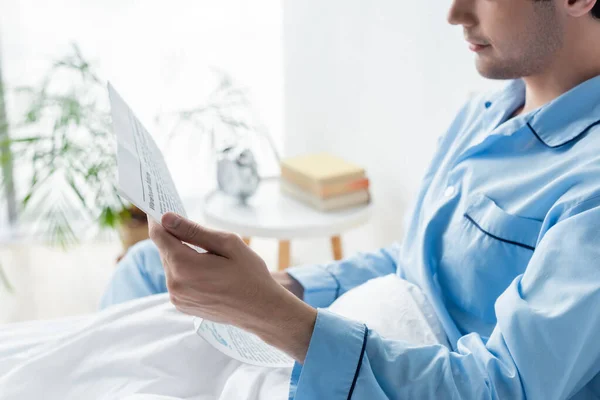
(488, 104)
(450, 190)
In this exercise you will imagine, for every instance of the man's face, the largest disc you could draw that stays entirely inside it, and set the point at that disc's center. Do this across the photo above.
(512, 38)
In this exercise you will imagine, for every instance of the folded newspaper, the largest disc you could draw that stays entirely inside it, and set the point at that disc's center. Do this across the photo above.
(145, 181)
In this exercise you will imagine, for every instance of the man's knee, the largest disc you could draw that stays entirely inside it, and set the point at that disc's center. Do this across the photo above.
(138, 274)
(144, 257)
(142, 254)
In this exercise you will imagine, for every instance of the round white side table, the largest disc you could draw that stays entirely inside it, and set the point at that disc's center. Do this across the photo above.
(271, 214)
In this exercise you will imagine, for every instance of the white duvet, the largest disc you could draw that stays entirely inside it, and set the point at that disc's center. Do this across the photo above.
(145, 349)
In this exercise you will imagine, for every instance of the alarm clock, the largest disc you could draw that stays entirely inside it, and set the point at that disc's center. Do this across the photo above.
(237, 172)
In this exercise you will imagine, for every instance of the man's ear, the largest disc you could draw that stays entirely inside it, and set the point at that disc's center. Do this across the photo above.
(579, 8)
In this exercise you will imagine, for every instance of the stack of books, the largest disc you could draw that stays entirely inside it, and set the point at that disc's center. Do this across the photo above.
(325, 182)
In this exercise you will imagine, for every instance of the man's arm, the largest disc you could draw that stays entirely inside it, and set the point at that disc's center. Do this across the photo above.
(545, 344)
(320, 285)
(231, 284)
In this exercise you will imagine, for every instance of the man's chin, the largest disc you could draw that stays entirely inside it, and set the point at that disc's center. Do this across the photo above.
(491, 70)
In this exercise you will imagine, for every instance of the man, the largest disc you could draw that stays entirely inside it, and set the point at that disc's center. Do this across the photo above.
(504, 239)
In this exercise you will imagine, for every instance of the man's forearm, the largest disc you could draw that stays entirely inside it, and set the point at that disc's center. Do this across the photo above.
(287, 324)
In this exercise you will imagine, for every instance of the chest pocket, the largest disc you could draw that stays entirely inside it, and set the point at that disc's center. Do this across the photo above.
(484, 250)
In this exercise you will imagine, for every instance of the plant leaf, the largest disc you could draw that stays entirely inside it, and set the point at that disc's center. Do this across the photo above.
(5, 281)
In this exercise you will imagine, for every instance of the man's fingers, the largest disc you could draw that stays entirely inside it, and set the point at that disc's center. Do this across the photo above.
(220, 243)
(169, 246)
(161, 237)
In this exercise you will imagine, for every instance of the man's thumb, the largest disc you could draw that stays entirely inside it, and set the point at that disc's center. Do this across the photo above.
(171, 221)
(192, 233)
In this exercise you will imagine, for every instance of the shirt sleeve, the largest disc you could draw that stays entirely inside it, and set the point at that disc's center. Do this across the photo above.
(545, 344)
(324, 283)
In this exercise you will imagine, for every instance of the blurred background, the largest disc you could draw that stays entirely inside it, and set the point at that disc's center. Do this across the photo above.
(374, 82)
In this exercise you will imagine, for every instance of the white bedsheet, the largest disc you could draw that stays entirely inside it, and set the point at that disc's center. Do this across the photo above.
(145, 349)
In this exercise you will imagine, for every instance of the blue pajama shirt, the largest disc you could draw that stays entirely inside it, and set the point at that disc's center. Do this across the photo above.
(504, 239)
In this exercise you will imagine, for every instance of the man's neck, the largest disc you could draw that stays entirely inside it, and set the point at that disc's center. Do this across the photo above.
(542, 89)
(573, 65)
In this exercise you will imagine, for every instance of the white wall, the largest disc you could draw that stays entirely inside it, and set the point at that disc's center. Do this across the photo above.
(158, 54)
(376, 82)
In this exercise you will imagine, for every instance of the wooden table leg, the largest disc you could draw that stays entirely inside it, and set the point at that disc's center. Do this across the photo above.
(336, 247)
(247, 240)
(284, 254)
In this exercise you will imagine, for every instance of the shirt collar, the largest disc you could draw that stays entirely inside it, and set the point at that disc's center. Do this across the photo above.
(569, 116)
(559, 122)
(501, 105)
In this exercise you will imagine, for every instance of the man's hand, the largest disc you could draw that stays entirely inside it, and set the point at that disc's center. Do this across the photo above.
(231, 284)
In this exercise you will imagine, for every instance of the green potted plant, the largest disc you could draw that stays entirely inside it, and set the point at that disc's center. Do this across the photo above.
(7, 171)
(65, 145)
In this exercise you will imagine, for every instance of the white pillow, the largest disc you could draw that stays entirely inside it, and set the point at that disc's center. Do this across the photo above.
(394, 308)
